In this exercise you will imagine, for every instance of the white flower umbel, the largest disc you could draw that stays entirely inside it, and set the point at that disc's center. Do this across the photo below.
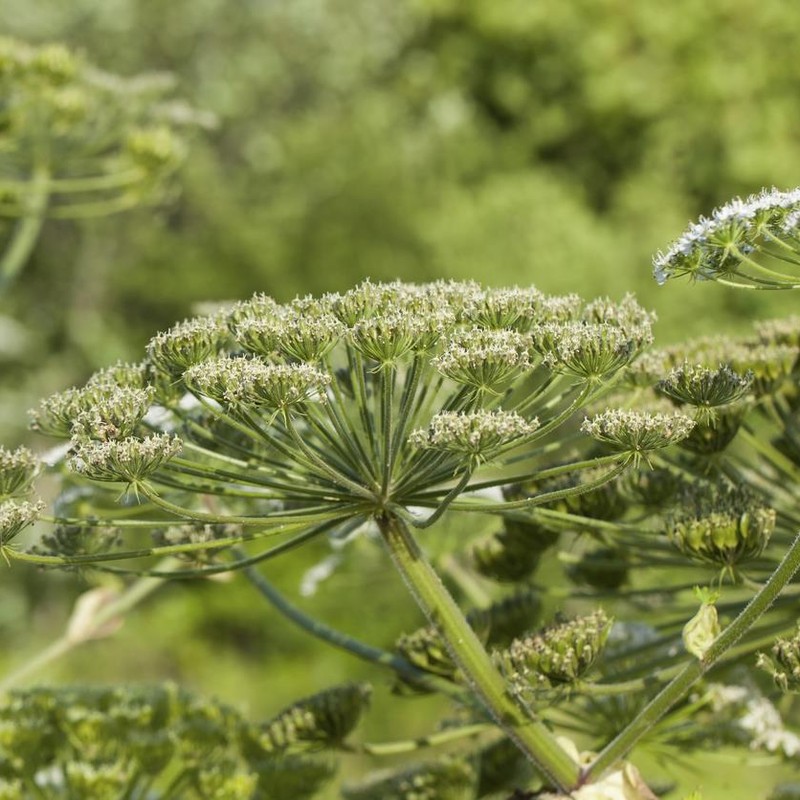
(114, 415)
(15, 516)
(729, 242)
(636, 432)
(186, 344)
(485, 360)
(476, 435)
(17, 470)
(124, 460)
(236, 381)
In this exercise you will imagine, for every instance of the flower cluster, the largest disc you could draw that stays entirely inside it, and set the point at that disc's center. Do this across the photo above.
(731, 240)
(637, 433)
(475, 435)
(134, 740)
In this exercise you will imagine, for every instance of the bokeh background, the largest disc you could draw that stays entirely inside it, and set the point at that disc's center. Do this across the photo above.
(508, 141)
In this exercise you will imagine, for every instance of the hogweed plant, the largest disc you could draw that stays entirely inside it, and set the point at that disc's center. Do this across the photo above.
(653, 485)
(77, 142)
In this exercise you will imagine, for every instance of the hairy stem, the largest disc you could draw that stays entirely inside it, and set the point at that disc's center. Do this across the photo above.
(530, 735)
(692, 672)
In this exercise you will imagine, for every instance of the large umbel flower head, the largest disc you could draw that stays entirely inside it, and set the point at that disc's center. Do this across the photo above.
(328, 411)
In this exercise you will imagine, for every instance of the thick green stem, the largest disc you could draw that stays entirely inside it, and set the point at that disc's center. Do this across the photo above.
(27, 229)
(692, 672)
(530, 735)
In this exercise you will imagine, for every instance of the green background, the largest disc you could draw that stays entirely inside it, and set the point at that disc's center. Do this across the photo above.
(508, 141)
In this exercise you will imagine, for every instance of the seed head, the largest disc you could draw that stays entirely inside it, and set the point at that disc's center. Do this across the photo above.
(124, 460)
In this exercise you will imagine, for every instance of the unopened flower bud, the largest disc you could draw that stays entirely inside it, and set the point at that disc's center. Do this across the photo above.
(720, 525)
(561, 654)
(784, 665)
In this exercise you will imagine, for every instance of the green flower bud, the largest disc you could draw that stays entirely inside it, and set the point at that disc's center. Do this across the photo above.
(496, 625)
(426, 650)
(720, 525)
(561, 654)
(784, 666)
(445, 779)
(124, 460)
(703, 628)
(322, 720)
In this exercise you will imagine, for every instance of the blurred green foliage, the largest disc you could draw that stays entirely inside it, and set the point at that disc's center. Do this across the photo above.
(508, 141)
